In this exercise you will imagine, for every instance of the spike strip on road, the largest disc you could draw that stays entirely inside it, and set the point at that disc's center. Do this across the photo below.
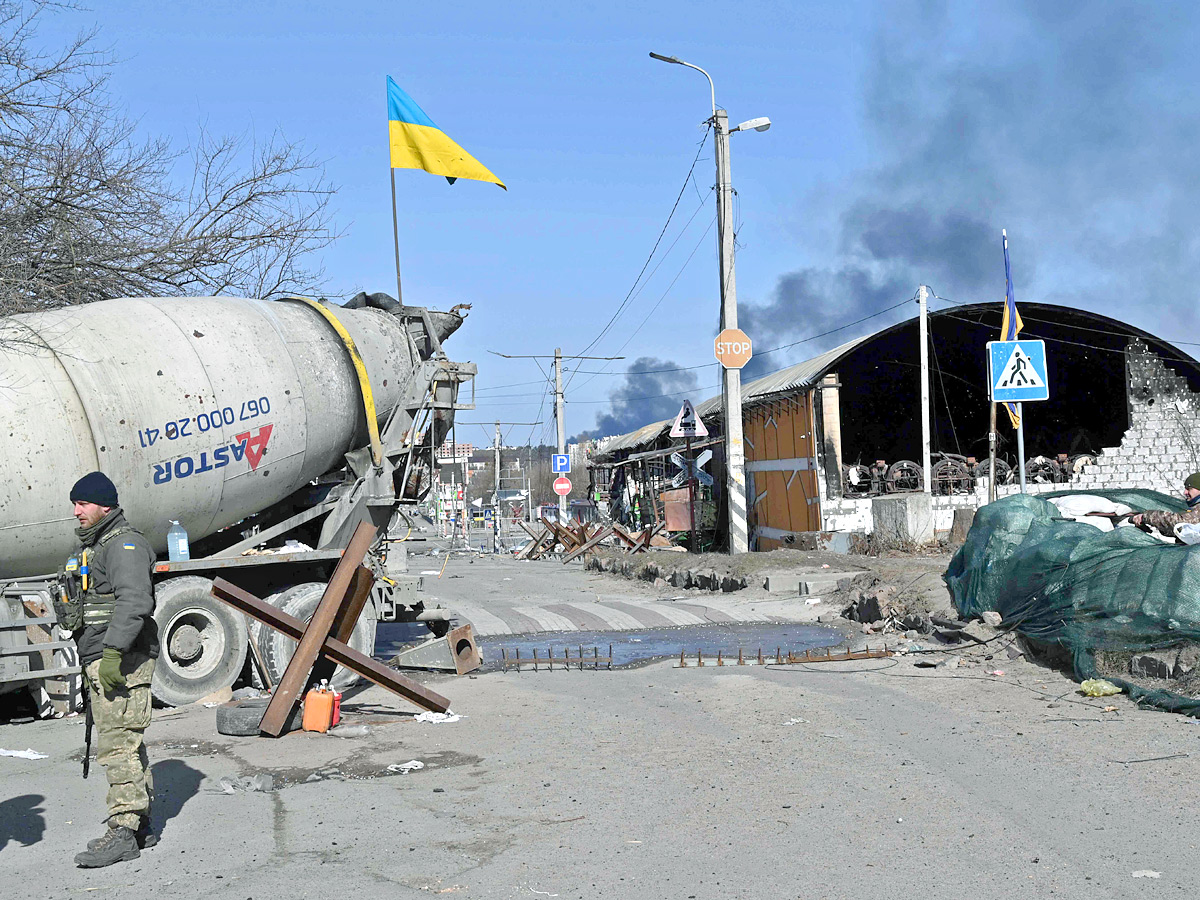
(789, 660)
(581, 661)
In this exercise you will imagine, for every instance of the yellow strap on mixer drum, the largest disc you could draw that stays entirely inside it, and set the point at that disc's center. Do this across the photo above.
(364, 382)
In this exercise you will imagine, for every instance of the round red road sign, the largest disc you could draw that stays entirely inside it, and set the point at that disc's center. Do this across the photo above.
(562, 485)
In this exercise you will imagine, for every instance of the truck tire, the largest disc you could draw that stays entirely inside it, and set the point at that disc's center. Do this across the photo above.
(204, 642)
(301, 601)
(259, 634)
(241, 718)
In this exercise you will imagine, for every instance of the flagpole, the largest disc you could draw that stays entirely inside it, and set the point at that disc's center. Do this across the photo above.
(1021, 443)
(992, 456)
(396, 236)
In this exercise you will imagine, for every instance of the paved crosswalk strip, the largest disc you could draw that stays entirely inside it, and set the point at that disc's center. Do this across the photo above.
(627, 614)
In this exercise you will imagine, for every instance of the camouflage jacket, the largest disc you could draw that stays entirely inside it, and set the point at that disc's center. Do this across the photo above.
(1165, 521)
(122, 567)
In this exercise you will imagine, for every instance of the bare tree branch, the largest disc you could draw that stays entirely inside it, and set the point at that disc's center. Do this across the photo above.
(90, 210)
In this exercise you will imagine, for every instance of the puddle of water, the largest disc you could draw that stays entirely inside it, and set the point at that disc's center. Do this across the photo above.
(630, 648)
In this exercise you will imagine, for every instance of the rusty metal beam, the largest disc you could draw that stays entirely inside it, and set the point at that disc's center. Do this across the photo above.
(336, 598)
(361, 583)
(339, 651)
(591, 543)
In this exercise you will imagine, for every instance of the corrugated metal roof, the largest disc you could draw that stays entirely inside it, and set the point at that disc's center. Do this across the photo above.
(801, 375)
(644, 436)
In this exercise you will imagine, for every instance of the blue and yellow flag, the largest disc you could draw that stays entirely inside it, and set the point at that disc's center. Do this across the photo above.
(417, 143)
(1010, 321)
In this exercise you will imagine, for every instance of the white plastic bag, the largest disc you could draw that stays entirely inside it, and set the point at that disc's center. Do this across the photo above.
(1188, 532)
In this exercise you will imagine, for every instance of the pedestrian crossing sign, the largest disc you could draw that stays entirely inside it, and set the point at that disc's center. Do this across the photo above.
(1017, 371)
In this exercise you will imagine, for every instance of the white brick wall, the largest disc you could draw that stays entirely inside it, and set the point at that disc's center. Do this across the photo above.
(1160, 449)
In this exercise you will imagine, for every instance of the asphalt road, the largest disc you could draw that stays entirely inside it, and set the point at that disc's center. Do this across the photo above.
(656, 782)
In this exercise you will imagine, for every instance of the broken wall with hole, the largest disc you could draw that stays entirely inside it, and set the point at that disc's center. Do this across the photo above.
(1161, 446)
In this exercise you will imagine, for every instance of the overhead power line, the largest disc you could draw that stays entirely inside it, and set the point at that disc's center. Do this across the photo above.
(629, 296)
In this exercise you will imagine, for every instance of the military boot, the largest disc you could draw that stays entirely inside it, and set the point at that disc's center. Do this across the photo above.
(117, 845)
(146, 838)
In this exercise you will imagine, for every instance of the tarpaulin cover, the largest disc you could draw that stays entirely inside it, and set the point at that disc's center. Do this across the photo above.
(1067, 583)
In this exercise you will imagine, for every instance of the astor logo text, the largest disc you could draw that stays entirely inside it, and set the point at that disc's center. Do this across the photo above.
(251, 446)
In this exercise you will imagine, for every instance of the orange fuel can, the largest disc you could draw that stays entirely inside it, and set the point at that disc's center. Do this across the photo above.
(318, 710)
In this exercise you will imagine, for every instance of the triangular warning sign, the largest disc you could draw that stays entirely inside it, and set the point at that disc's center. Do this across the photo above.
(1019, 372)
(687, 423)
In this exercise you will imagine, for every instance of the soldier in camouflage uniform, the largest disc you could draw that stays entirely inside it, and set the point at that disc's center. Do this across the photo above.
(1165, 521)
(112, 619)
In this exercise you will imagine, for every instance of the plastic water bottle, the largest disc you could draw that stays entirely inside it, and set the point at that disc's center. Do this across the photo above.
(177, 543)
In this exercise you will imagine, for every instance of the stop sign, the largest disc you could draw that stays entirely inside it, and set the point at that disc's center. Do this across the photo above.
(732, 348)
(562, 485)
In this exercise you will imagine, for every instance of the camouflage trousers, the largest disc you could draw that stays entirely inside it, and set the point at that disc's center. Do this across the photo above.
(121, 720)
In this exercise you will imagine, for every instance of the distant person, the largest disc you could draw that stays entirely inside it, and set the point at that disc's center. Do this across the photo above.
(110, 583)
(1165, 521)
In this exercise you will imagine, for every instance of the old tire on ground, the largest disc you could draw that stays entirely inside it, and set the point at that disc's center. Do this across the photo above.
(204, 642)
(241, 718)
(301, 602)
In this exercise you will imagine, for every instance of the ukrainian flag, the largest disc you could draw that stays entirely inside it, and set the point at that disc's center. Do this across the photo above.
(1010, 321)
(417, 143)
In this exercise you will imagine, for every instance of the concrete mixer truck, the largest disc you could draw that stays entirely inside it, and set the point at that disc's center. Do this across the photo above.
(267, 429)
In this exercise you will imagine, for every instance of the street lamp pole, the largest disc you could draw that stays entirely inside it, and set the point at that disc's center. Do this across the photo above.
(731, 379)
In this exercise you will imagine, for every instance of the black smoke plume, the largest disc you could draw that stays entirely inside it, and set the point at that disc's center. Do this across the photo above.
(1071, 125)
(646, 395)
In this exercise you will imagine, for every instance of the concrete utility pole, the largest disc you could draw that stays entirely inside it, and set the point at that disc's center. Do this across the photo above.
(731, 384)
(558, 418)
(926, 470)
(496, 498)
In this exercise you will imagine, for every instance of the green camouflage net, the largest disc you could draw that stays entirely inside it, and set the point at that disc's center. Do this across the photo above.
(1070, 585)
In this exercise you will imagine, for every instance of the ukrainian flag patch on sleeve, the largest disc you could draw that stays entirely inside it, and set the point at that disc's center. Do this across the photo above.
(130, 547)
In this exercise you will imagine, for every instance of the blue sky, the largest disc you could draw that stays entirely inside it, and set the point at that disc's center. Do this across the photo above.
(904, 137)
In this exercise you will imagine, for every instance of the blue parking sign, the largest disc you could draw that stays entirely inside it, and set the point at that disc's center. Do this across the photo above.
(560, 463)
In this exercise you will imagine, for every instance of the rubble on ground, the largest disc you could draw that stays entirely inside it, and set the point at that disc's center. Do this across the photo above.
(699, 578)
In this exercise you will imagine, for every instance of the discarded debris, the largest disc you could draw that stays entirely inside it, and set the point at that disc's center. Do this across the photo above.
(404, 768)
(1130, 762)
(980, 632)
(23, 754)
(1099, 687)
(1146, 873)
(438, 718)
(262, 782)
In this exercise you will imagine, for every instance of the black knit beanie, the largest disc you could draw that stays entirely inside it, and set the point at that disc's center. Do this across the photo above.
(95, 487)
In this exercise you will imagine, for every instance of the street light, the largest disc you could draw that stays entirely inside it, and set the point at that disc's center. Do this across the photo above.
(731, 382)
(762, 123)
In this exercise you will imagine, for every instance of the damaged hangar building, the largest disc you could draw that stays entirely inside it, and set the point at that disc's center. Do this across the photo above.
(825, 437)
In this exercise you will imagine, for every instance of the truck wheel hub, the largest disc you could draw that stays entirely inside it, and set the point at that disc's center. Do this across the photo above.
(186, 644)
